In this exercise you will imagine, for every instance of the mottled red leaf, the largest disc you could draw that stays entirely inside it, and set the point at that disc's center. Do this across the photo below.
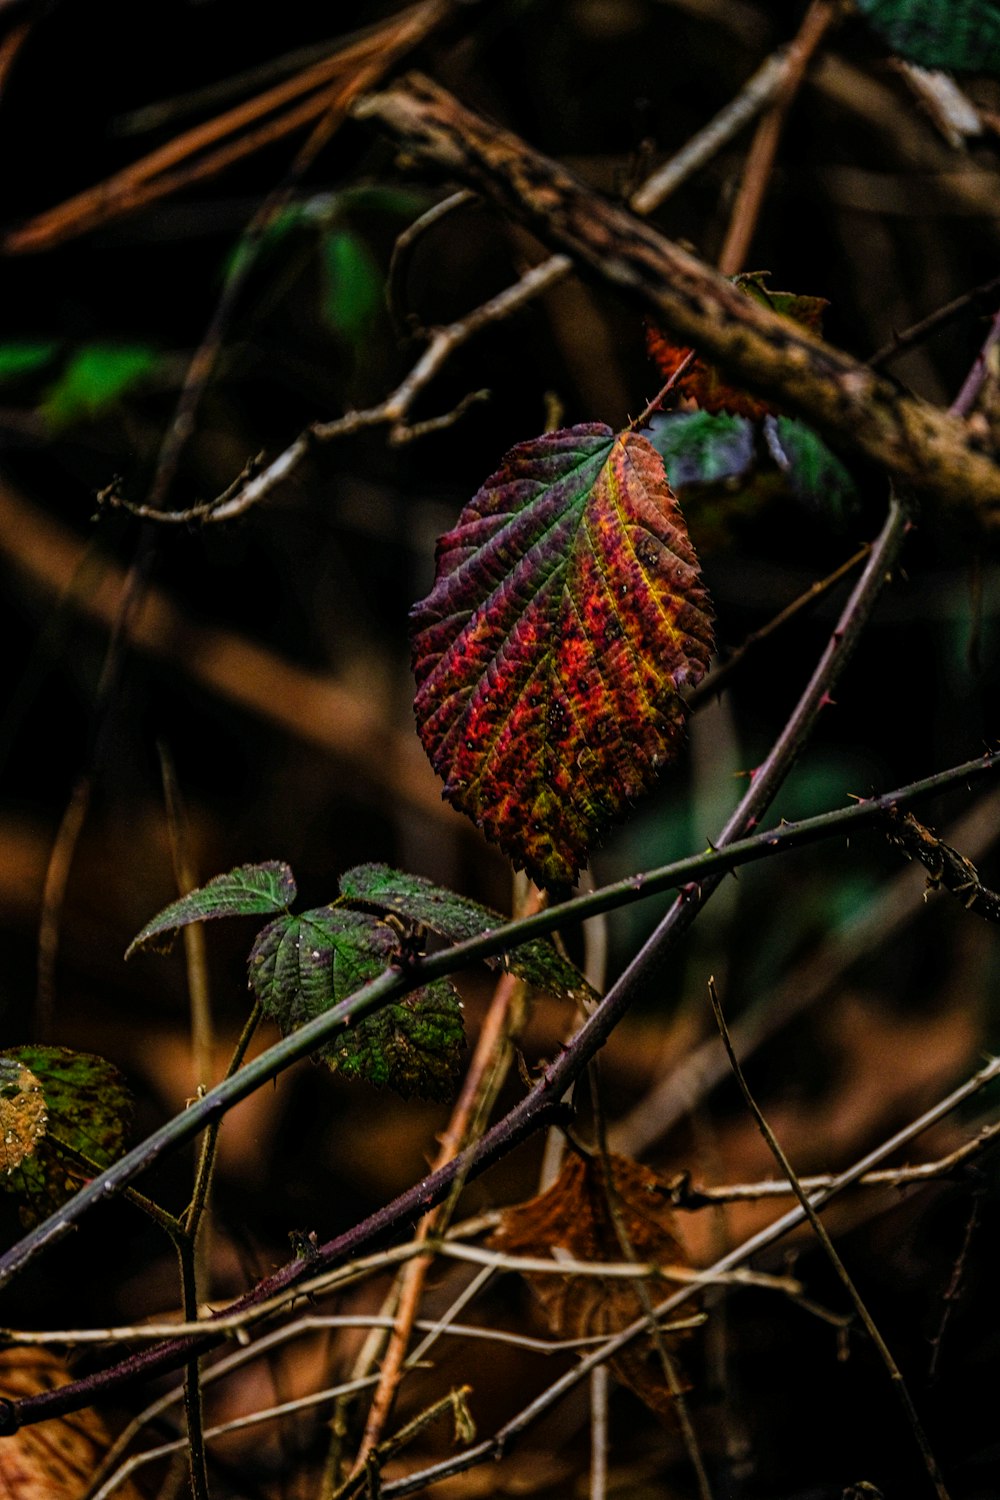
(577, 1216)
(567, 616)
(706, 385)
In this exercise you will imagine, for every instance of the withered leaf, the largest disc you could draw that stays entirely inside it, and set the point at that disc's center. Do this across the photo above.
(573, 1215)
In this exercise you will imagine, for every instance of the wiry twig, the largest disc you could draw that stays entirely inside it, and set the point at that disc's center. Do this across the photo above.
(715, 681)
(919, 445)
(686, 1195)
(980, 299)
(819, 1230)
(953, 1290)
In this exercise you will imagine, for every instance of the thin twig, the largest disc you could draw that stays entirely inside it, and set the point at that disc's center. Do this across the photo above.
(483, 1080)
(819, 19)
(757, 92)
(953, 1290)
(980, 299)
(819, 1229)
(711, 685)
(685, 1195)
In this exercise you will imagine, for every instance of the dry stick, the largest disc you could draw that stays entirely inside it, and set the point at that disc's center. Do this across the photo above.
(946, 867)
(757, 92)
(150, 178)
(495, 1447)
(487, 1071)
(599, 1433)
(685, 1195)
(917, 443)
(671, 1373)
(819, 18)
(819, 1229)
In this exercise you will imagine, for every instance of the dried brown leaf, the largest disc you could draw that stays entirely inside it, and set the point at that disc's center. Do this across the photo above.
(574, 1216)
(53, 1460)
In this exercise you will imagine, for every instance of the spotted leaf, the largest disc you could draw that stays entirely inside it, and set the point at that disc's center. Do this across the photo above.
(566, 619)
(456, 918)
(302, 965)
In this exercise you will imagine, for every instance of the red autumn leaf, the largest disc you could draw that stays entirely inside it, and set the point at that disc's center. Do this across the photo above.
(704, 383)
(575, 1216)
(567, 616)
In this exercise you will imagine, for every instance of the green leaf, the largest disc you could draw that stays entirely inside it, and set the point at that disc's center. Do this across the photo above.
(701, 447)
(352, 284)
(24, 358)
(87, 1108)
(457, 918)
(567, 616)
(302, 965)
(95, 378)
(814, 473)
(960, 36)
(249, 890)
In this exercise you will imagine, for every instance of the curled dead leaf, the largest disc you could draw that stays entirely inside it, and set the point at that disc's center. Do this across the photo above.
(574, 1216)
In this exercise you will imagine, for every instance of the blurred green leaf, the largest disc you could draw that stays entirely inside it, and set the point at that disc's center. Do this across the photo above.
(18, 359)
(814, 473)
(352, 284)
(700, 447)
(960, 36)
(95, 378)
(249, 890)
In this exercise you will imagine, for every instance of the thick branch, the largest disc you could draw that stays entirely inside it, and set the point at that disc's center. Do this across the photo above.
(917, 443)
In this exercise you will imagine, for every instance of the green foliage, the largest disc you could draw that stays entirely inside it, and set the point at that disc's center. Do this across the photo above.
(352, 284)
(701, 447)
(815, 474)
(302, 965)
(961, 36)
(20, 358)
(566, 617)
(87, 1107)
(94, 380)
(708, 451)
(457, 918)
(249, 890)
